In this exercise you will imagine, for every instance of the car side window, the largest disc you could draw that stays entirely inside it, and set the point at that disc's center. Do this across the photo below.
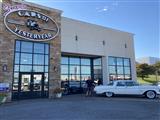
(120, 84)
(130, 84)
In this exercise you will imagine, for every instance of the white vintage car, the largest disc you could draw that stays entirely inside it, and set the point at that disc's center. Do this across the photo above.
(128, 87)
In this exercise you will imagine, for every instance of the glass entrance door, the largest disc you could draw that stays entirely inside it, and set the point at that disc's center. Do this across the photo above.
(31, 85)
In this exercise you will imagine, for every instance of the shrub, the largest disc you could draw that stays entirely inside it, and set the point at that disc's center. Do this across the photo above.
(58, 90)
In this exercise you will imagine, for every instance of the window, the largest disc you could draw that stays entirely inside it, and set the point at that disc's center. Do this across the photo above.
(76, 70)
(17, 45)
(97, 70)
(85, 70)
(17, 58)
(119, 68)
(39, 48)
(112, 69)
(74, 61)
(112, 61)
(85, 61)
(64, 60)
(97, 61)
(64, 69)
(26, 47)
(30, 57)
(120, 61)
(38, 59)
(26, 58)
(130, 83)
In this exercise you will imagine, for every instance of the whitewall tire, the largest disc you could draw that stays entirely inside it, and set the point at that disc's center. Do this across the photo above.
(150, 94)
(109, 94)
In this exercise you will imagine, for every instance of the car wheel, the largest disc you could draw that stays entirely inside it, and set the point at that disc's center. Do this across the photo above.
(150, 94)
(109, 94)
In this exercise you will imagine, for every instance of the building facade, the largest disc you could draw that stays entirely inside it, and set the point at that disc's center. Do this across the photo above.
(40, 50)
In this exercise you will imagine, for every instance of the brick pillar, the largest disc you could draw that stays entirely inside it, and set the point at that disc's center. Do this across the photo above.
(6, 54)
(55, 60)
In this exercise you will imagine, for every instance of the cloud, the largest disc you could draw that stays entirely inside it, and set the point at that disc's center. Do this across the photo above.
(108, 7)
(102, 9)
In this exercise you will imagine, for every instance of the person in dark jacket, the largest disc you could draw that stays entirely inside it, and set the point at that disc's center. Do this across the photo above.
(99, 82)
(90, 86)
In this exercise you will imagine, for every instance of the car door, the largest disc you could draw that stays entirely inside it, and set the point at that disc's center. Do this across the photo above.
(120, 88)
(132, 88)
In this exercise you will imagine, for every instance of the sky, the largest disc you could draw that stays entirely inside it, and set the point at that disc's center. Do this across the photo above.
(140, 17)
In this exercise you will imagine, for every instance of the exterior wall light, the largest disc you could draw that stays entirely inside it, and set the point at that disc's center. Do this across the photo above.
(125, 45)
(103, 42)
(76, 38)
(4, 68)
(55, 69)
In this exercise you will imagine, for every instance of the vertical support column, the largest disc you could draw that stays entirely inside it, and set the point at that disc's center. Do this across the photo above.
(92, 69)
(6, 54)
(105, 70)
(54, 72)
(133, 61)
(55, 60)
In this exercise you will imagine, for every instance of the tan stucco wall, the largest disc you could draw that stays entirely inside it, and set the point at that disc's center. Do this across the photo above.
(90, 42)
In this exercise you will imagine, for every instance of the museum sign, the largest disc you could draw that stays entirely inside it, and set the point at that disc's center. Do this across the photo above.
(29, 24)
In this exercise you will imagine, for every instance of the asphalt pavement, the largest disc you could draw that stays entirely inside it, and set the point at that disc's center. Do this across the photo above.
(79, 107)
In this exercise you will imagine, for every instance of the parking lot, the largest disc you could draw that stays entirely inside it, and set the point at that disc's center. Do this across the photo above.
(79, 107)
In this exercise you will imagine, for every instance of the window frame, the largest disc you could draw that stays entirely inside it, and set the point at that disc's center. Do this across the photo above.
(116, 67)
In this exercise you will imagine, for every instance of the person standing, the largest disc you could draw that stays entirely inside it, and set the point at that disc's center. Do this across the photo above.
(90, 86)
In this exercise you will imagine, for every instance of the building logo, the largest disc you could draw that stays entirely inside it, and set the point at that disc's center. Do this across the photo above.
(29, 24)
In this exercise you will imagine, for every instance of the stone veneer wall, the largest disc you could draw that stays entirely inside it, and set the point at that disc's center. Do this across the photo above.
(7, 41)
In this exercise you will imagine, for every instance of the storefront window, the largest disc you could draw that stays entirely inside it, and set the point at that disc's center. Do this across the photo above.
(26, 58)
(46, 49)
(17, 58)
(76, 70)
(26, 47)
(25, 68)
(64, 69)
(74, 61)
(64, 60)
(85, 70)
(85, 61)
(97, 61)
(17, 46)
(112, 61)
(119, 68)
(46, 60)
(120, 61)
(39, 48)
(31, 57)
(97, 70)
(38, 59)
(112, 69)
(38, 68)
